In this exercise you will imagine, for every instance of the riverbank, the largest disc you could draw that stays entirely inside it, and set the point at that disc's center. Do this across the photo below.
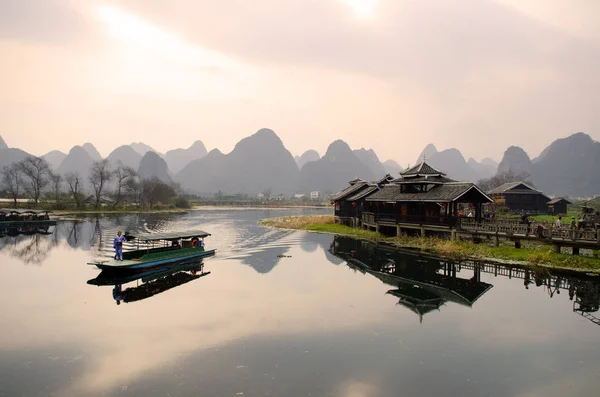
(529, 254)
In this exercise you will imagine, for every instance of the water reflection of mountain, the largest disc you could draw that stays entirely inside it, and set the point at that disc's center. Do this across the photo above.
(154, 281)
(424, 283)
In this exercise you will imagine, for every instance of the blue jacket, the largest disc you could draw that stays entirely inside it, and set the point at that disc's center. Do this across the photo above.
(119, 239)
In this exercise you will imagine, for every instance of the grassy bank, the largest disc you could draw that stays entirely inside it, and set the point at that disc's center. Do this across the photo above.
(530, 254)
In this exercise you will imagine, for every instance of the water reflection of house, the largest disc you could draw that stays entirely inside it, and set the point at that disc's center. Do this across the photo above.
(421, 283)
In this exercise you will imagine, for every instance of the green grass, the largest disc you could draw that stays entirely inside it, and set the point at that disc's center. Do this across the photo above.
(553, 218)
(530, 253)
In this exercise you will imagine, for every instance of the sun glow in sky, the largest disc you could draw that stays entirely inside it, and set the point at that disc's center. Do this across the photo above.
(362, 8)
(153, 61)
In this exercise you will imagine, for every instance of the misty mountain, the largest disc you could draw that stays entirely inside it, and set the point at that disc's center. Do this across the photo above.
(179, 158)
(3, 144)
(429, 151)
(257, 163)
(126, 155)
(333, 171)
(91, 150)
(515, 160)
(309, 155)
(392, 168)
(370, 159)
(152, 165)
(569, 167)
(452, 162)
(485, 169)
(141, 148)
(54, 158)
(11, 155)
(78, 161)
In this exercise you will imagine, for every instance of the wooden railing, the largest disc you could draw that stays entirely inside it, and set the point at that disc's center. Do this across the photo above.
(509, 228)
(372, 218)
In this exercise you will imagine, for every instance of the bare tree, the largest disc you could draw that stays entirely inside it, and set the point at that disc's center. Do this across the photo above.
(505, 177)
(74, 181)
(122, 175)
(56, 181)
(37, 172)
(99, 175)
(12, 181)
(154, 191)
(133, 187)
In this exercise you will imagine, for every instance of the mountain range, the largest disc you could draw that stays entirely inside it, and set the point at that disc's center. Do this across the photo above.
(260, 163)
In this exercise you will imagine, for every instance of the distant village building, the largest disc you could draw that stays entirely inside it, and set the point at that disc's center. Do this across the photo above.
(299, 195)
(315, 195)
(558, 206)
(520, 197)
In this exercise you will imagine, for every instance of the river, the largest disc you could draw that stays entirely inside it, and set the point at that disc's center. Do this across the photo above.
(286, 313)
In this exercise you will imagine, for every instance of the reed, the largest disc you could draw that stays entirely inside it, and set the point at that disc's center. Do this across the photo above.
(530, 254)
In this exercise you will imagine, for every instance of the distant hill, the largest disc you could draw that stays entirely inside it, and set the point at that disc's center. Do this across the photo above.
(94, 154)
(141, 148)
(485, 169)
(452, 162)
(309, 155)
(515, 160)
(429, 151)
(78, 161)
(333, 171)
(126, 155)
(569, 166)
(152, 165)
(370, 159)
(179, 158)
(257, 163)
(11, 155)
(3, 144)
(54, 158)
(392, 168)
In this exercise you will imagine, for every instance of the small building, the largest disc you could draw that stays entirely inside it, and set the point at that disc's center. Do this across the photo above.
(315, 195)
(558, 206)
(299, 195)
(520, 197)
(349, 202)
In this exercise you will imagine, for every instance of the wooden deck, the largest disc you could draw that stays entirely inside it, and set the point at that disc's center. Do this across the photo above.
(496, 230)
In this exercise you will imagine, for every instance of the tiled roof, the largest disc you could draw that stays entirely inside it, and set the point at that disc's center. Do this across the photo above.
(424, 179)
(363, 193)
(558, 200)
(511, 185)
(352, 189)
(421, 170)
(441, 193)
(386, 179)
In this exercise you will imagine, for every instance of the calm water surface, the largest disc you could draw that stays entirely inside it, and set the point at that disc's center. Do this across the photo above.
(286, 314)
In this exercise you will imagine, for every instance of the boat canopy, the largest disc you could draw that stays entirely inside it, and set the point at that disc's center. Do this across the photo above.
(23, 211)
(172, 235)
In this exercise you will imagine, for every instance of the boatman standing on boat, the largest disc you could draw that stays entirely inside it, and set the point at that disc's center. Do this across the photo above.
(118, 246)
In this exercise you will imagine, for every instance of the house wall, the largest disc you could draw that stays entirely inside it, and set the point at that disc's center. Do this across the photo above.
(526, 202)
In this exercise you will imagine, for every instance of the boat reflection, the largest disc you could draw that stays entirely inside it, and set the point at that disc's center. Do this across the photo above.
(424, 282)
(153, 281)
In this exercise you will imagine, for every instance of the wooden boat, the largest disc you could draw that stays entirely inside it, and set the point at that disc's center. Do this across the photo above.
(157, 250)
(13, 218)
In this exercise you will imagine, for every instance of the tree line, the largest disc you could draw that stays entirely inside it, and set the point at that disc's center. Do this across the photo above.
(33, 178)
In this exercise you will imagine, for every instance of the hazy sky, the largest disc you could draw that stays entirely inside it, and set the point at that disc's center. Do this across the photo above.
(392, 75)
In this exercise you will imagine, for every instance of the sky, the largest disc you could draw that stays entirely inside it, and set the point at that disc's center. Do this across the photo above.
(392, 75)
